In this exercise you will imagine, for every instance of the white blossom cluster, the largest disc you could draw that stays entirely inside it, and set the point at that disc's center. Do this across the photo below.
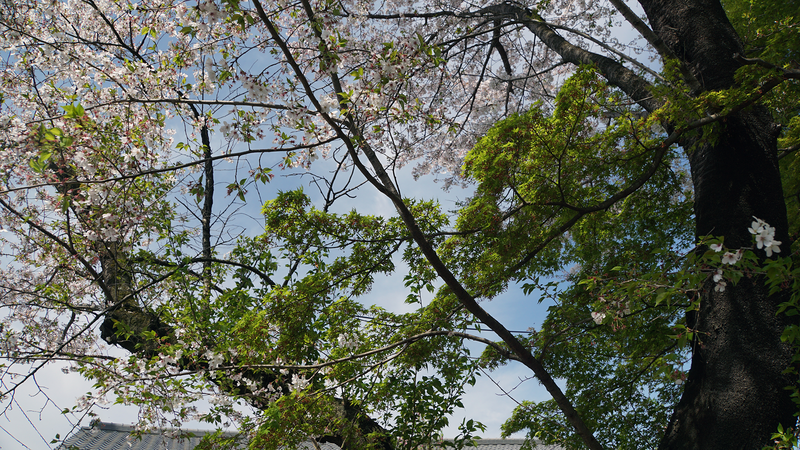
(348, 341)
(615, 307)
(764, 236)
(256, 89)
(210, 10)
(299, 382)
(329, 104)
(214, 359)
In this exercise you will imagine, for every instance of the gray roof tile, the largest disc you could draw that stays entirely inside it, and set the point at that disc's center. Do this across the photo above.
(111, 436)
(509, 444)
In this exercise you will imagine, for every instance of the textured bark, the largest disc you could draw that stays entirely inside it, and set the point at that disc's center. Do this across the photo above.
(735, 394)
(700, 35)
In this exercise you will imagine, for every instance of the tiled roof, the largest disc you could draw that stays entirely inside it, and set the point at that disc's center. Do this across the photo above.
(111, 436)
(506, 444)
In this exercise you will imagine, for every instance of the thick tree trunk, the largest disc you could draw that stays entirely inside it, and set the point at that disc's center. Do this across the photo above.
(735, 394)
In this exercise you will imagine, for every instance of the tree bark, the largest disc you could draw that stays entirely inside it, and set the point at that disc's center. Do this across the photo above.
(735, 394)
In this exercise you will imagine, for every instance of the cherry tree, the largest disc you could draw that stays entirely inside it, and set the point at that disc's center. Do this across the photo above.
(639, 185)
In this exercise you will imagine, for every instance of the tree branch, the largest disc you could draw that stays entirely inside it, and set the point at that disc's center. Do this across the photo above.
(662, 49)
(629, 82)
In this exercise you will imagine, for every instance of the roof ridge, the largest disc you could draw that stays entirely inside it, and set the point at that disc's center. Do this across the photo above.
(104, 435)
(112, 426)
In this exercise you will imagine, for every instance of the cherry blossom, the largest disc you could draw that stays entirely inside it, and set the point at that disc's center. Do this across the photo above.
(764, 236)
(598, 317)
(214, 359)
(348, 341)
(732, 257)
(717, 275)
(299, 382)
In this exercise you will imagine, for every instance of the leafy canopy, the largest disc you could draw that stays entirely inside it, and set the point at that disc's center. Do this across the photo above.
(151, 153)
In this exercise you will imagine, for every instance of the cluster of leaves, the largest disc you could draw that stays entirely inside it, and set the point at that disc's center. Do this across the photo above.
(542, 170)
